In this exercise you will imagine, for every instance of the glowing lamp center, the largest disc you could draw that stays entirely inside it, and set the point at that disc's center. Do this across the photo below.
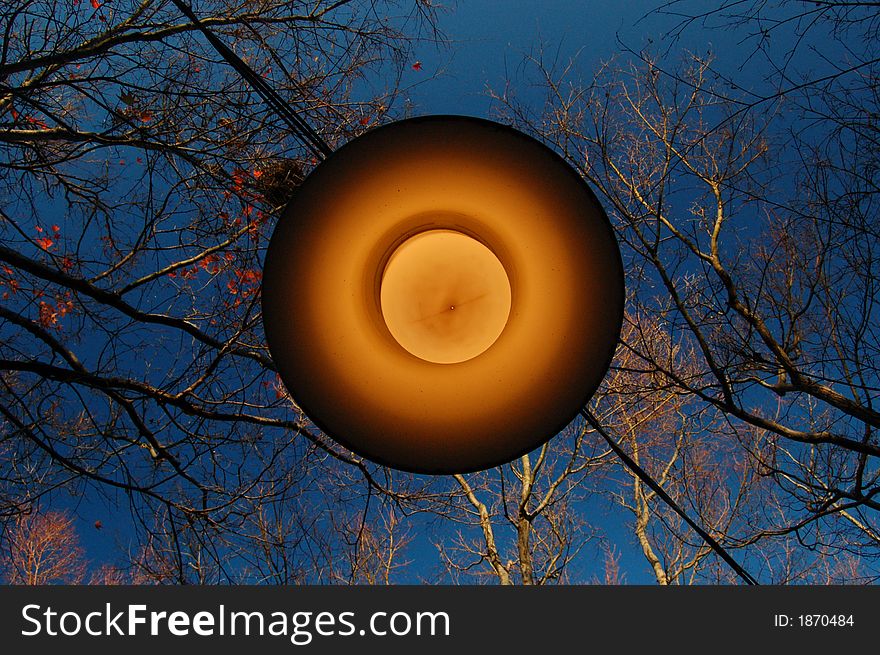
(445, 297)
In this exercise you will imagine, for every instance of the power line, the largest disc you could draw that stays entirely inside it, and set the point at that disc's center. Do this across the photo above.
(648, 480)
(301, 129)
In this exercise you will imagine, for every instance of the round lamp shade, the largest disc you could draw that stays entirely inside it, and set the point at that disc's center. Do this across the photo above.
(442, 294)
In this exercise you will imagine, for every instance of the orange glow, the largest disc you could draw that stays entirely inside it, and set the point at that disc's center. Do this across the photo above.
(445, 297)
(441, 210)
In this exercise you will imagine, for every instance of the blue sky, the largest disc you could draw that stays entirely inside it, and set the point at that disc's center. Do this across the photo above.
(488, 41)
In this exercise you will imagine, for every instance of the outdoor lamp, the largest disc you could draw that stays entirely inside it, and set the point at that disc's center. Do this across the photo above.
(442, 294)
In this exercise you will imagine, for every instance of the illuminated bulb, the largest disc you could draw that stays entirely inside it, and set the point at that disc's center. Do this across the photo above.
(445, 297)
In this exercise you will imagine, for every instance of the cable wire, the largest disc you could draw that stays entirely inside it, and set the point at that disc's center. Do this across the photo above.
(301, 129)
(648, 480)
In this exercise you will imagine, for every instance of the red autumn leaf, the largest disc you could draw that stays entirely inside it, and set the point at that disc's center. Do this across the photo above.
(98, 524)
(96, 4)
(65, 307)
(45, 243)
(237, 179)
(258, 173)
(36, 121)
(417, 66)
(365, 120)
(280, 391)
(209, 263)
(39, 229)
(48, 316)
(139, 160)
(146, 116)
(56, 229)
